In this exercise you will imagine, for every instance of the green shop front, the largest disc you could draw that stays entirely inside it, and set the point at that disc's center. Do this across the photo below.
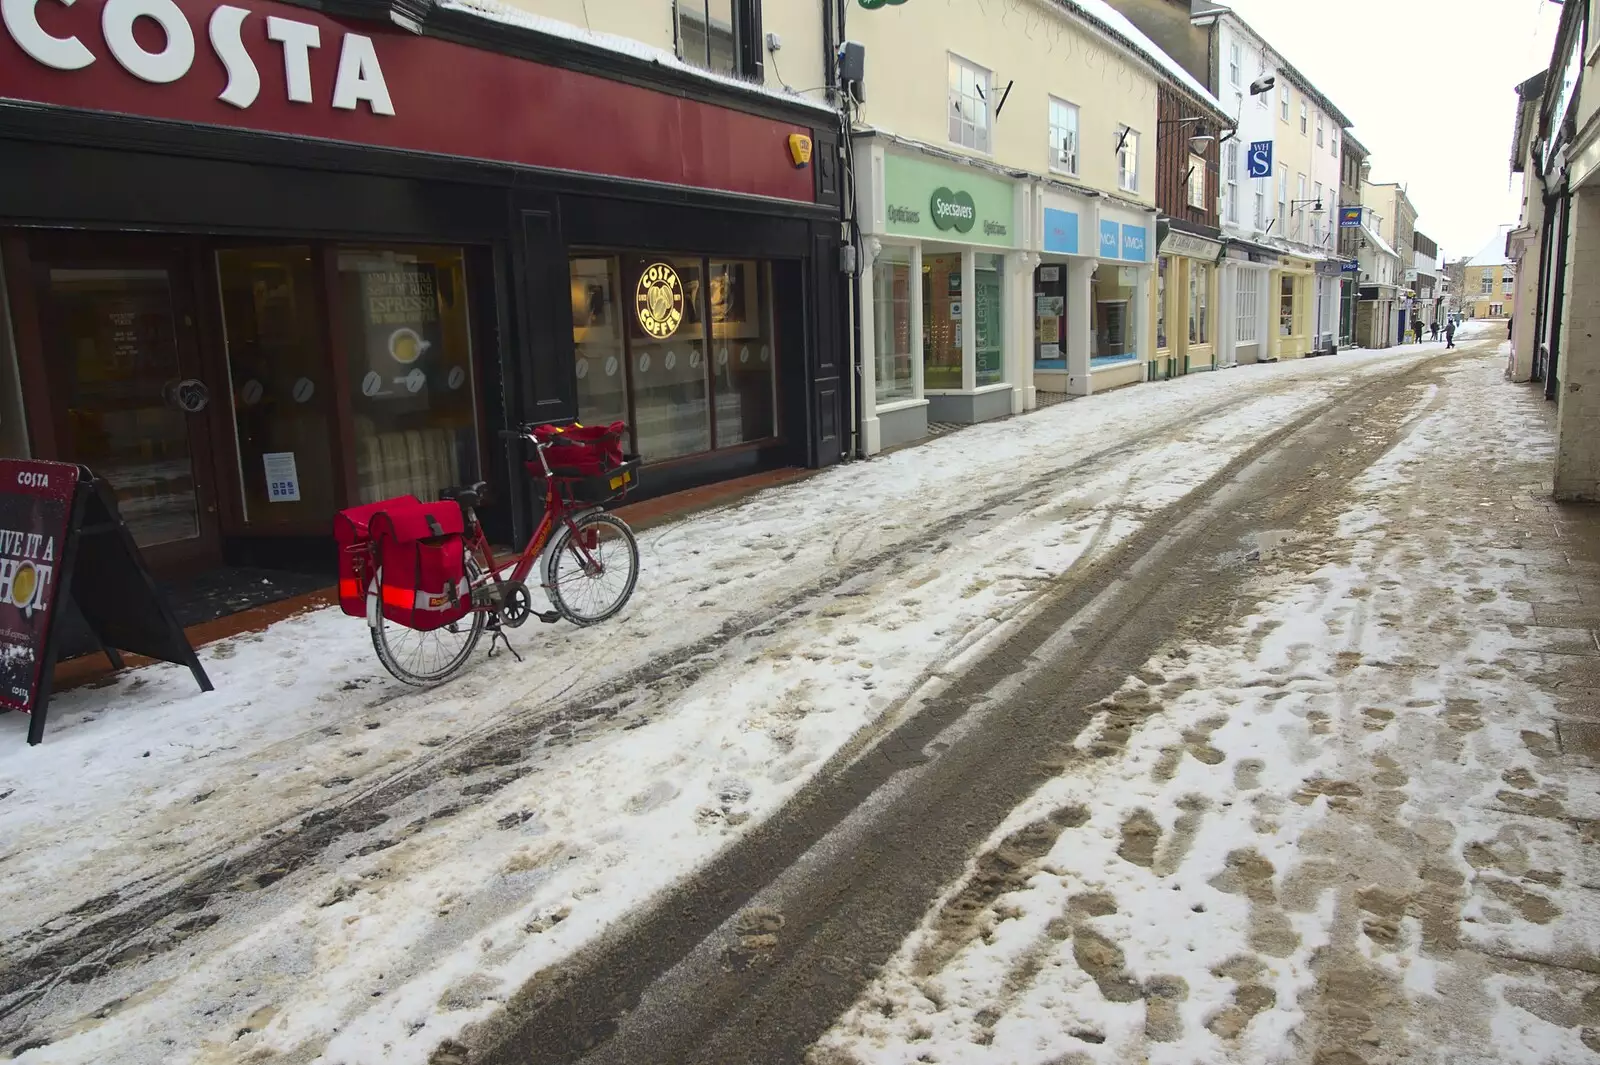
(943, 295)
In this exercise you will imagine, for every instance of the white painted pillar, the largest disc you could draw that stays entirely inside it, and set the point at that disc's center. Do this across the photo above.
(1019, 331)
(871, 437)
(969, 321)
(1080, 323)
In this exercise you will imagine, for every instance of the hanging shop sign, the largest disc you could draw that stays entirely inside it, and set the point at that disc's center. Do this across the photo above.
(61, 536)
(1349, 218)
(1258, 160)
(659, 301)
(927, 199)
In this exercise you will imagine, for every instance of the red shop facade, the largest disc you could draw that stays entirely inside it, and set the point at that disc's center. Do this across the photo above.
(261, 262)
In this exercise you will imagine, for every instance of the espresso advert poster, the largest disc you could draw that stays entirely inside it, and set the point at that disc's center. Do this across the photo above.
(400, 308)
(35, 509)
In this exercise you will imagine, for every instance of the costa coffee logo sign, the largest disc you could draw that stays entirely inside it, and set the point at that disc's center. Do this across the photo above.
(359, 79)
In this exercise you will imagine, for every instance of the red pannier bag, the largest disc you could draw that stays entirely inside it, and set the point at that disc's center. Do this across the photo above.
(357, 557)
(581, 450)
(422, 556)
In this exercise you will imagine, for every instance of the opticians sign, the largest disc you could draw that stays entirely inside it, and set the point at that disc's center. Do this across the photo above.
(927, 199)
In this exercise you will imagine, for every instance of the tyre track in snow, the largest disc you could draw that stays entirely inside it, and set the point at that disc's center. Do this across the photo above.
(752, 957)
(150, 916)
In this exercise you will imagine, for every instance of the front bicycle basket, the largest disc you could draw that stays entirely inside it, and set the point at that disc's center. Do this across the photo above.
(605, 487)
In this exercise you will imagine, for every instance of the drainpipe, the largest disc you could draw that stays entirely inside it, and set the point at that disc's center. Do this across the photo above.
(851, 228)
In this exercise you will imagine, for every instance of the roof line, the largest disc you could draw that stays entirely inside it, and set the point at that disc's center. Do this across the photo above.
(1290, 71)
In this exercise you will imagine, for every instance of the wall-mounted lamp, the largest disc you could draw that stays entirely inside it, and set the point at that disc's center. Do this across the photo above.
(1199, 140)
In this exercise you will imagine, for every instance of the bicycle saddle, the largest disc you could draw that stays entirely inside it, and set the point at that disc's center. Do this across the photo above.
(467, 495)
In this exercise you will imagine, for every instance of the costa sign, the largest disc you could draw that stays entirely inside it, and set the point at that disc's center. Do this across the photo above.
(358, 80)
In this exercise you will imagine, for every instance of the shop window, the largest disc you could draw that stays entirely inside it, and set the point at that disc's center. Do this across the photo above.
(941, 321)
(1286, 307)
(744, 377)
(1162, 343)
(600, 353)
(1199, 293)
(1050, 317)
(278, 373)
(408, 350)
(1113, 291)
(646, 357)
(988, 318)
(667, 358)
(116, 343)
(13, 418)
(891, 318)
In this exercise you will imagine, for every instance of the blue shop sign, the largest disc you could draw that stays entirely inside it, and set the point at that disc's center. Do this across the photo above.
(1060, 231)
(1110, 240)
(1258, 161)
(1350, 268)
(1133, 241)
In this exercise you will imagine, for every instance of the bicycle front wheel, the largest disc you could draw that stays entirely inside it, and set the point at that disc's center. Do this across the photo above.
(424, 658)
(592, 568)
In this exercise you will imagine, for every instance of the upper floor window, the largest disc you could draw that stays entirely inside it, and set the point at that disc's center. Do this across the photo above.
(706, 35)
(1197, 181)
(1333, 144)
(1488, 283)
(1284, 97)
(1261, 72)
(1234, 66)
(1508, 281)
(1321, 130)
(969, 105)
(1127, 159)
(1063, 136)
(1304, 113)
(1230, 157)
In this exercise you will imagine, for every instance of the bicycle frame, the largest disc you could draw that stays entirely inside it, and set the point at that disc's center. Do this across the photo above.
(556, 512)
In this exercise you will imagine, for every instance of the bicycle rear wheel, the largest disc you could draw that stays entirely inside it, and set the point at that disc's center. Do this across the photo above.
(424, 658)
(592, 568)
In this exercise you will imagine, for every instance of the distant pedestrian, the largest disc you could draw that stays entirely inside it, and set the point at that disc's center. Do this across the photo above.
(1434, 329)
(1450, 334)
(1417, 327)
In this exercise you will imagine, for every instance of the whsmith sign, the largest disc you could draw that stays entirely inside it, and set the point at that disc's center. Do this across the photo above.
(926, 199)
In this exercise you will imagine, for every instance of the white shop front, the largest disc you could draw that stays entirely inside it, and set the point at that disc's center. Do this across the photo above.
(1063, 310)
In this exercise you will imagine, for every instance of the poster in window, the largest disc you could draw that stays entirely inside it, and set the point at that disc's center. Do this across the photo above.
(400, 319)
(733, 300)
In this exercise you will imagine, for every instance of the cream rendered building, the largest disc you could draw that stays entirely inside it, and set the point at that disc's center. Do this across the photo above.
(1389, 213)
(1006, 172)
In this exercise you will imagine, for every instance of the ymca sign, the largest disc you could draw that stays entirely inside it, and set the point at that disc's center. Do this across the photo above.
(359, 79)
(1258, 161)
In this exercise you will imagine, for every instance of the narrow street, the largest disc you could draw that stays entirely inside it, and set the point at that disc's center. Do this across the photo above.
(1096, 731)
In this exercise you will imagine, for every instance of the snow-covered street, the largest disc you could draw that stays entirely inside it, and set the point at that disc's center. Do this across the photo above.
(1343, 795)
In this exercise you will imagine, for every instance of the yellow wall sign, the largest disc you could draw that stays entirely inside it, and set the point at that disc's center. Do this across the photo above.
(659, 301)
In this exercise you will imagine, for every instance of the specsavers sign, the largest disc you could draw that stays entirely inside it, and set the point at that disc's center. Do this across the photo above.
(927, 199)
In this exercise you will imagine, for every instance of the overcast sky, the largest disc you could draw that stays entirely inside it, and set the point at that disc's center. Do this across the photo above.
(1428, 87)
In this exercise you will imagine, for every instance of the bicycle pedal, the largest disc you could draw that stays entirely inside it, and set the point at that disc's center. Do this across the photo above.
(549, 617)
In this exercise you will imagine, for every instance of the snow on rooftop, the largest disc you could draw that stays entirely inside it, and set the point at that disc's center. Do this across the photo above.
(1102, 12)
(507, 15)
(1494, 252)
(1378, 242)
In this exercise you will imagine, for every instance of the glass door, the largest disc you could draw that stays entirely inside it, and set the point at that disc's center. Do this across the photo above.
(118, 336)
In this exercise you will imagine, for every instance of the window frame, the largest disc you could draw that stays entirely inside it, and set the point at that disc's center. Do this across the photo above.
(1305, 117)
(1128, 139)
(1072, 108)
(1235, 64)
(1231, 193)
(742, 24)
(1284, 99)
(1322, 129)
(956, 118)
(1197, 173)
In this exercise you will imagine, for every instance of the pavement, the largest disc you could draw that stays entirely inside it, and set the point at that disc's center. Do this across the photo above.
(1249, 717)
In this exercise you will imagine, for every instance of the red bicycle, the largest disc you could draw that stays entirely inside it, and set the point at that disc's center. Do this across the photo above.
(590, 559)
